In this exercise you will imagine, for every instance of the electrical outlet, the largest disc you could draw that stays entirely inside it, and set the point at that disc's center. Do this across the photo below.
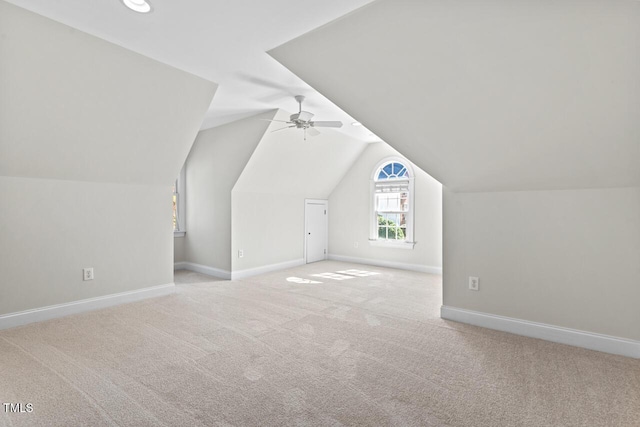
(87, 274)
(355, 244)
(474, 283)
(240, 253)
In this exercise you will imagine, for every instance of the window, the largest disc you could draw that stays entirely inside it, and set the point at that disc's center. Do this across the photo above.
(392, 204)
(179, 205)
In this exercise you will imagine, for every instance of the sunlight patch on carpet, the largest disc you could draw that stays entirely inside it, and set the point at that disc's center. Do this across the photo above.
(301, 280)
(358, 273)
(333, 276)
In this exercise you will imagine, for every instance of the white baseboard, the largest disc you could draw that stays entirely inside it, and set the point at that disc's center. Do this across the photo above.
(574, 337)
(59, 310)
(203, 269)
(242, 274)
(390, 264)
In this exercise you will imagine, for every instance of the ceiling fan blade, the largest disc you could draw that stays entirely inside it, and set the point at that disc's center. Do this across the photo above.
(313, 132)
(326, 124)
(269, 120)
(286, 127)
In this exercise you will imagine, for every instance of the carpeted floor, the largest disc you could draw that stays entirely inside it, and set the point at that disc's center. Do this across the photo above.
(366, 350)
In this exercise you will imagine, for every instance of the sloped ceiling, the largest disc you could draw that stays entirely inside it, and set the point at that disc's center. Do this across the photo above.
(223, 41)
(491, 95)
(76, 107)
(284, 163)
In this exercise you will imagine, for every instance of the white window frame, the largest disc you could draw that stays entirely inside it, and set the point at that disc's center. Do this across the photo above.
(374, 240)
(180, 186)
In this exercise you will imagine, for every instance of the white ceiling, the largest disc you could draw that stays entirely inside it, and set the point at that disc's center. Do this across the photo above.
(302, 165)
(221, 41)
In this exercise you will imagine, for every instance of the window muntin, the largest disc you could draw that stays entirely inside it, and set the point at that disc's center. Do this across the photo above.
(392, 170)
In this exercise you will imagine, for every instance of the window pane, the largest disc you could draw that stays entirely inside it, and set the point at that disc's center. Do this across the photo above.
(396, 233)
(175, 212)
(404, 202)
(398, 202)
(394, 202)
(389, 226)
(387, 202)
(382, 232)
(392, 171)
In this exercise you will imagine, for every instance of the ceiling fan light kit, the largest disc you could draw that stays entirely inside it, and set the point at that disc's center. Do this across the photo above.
(302, 116)
(302, 120)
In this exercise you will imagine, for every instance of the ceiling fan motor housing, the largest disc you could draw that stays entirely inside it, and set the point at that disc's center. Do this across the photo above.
(301, 117)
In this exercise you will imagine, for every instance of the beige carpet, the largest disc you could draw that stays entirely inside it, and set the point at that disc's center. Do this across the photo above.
(368, 351)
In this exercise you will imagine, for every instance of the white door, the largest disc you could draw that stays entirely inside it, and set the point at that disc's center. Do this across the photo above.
(316, 234)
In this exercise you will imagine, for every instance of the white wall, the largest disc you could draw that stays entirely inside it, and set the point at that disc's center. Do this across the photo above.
(91, 138)
(513, 107)
(51, 229)
(215, 162)
(179, 249)
(268, 199)
(350, 204)
(568, 258)
(269, 228)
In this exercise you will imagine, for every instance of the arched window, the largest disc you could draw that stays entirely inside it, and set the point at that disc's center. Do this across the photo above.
(392, 204)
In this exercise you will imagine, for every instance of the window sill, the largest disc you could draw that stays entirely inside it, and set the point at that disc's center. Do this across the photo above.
(179, 233)
(392, 244)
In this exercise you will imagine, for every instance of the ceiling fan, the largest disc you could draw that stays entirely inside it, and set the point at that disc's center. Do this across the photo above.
(302, 120)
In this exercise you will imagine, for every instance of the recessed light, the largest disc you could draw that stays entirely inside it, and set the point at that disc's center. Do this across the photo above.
(356, 124)
(140, 6)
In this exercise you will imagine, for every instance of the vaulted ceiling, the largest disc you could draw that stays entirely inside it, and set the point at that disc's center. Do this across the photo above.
(492, 95)
(76, 107)
(285, 163)
(219, 40)
(485, 96)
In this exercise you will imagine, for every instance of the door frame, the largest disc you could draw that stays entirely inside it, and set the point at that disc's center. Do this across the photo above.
(326, 225)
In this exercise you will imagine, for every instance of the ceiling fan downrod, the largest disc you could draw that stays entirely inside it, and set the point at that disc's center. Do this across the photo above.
(299, 98)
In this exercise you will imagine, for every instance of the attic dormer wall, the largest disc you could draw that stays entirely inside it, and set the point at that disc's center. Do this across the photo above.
(216, 161)
(268, 199)
(91, 139)
(351, 211)
(527, 112)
